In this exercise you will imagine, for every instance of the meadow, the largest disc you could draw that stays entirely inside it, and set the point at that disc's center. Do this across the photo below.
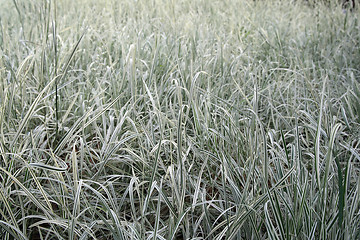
(221, 119)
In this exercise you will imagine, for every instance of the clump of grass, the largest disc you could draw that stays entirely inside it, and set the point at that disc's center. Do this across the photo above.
(179, 120)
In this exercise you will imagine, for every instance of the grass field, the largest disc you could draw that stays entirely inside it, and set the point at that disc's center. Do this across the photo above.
(221, 119)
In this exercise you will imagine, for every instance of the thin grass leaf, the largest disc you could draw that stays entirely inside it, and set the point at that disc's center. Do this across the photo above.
(76, 209)
(317, 139)
(157, 216)
(30, 112)
(15, 232)
(7, 208)
(46, 211)
(179, 221)
(271, 230)
(48, 167)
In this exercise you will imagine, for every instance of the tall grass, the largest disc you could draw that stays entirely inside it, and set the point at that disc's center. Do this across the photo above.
(179, 120)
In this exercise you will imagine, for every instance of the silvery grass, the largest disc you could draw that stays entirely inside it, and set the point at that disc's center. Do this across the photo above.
(179, 120)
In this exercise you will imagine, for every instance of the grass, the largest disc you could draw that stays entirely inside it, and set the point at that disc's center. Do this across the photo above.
(179, 120)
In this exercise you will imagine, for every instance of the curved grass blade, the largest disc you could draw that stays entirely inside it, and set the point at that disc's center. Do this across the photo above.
(12, 230)
(48, 167)
(45, 210)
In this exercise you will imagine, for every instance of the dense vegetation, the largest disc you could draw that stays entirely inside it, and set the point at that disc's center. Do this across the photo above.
(222, 119)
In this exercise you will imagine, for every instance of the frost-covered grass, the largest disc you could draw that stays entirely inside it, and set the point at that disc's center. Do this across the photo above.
(191, 119)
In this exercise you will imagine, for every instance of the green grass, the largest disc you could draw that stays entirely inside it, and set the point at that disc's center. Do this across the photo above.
(179, 120)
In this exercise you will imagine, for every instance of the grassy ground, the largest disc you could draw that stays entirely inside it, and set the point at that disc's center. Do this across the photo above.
(222, 119)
